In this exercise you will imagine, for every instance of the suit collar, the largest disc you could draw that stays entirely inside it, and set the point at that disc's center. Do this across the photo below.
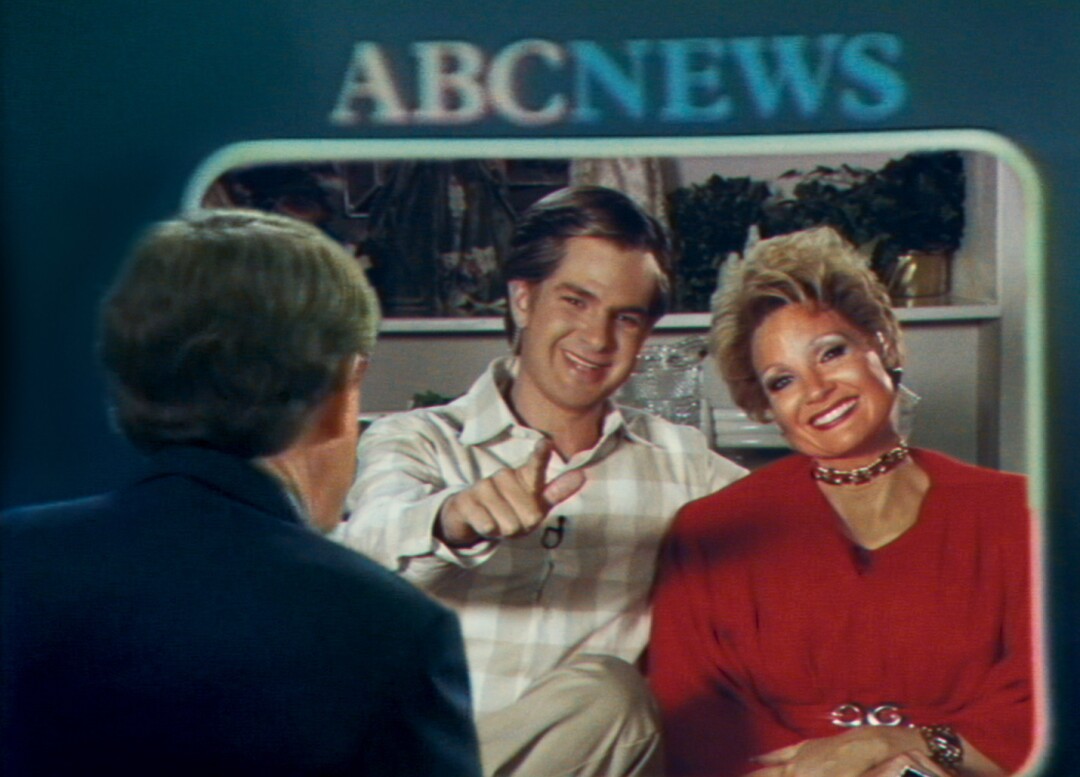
(238, 478)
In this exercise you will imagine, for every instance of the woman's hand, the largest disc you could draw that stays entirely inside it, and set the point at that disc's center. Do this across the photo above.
(851, 754)
(909, 764)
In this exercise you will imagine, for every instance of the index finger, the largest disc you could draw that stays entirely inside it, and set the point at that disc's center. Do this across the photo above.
(532, 473)
(563, 487)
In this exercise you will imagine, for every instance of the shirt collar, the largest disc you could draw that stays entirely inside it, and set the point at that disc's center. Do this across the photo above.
(491, 417)
(488, 414)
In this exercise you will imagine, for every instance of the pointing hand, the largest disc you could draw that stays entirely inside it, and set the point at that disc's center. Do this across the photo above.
(510, 503)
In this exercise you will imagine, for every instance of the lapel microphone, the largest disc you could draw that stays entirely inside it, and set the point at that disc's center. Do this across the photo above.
(552, 536)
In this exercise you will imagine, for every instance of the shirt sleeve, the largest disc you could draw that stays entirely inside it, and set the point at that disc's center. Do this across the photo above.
(396, 498)
(722, 472)
(706, 471)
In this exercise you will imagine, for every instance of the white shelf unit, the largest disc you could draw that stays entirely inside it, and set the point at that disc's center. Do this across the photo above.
(964, 357)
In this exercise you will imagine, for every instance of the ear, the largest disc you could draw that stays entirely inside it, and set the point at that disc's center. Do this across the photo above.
(521, 299)
(339, 412)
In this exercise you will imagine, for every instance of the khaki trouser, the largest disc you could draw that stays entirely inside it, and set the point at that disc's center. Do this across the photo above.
(593, 715)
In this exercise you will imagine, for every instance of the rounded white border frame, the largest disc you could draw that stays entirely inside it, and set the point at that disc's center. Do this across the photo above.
(1034, 320)
(283, 151)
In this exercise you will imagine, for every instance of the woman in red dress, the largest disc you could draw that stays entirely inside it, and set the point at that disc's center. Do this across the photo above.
(860, 608)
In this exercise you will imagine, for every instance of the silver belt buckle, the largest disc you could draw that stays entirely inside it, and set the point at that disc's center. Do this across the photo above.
(853, 715)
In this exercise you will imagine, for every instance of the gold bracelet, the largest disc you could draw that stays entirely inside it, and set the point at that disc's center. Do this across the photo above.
(945, 747)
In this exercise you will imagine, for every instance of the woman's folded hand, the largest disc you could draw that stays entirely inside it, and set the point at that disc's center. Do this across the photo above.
(856, 752)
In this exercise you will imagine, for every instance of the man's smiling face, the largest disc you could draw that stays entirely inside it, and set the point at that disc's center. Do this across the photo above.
(582, 327)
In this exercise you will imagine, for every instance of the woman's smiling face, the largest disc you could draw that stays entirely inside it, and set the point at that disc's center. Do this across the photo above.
(828, 390)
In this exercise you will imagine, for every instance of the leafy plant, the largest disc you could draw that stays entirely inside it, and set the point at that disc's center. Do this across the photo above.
(832, 196)
(912, 203)
(710, 220)
(919, 201)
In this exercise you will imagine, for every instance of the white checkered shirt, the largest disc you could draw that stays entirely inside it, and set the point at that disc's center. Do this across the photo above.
(525, 607)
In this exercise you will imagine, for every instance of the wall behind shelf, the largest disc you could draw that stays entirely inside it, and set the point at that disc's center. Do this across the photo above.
(970, 409)
(944, 367)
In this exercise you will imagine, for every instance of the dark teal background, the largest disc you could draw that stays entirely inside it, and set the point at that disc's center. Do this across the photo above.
(108, 106)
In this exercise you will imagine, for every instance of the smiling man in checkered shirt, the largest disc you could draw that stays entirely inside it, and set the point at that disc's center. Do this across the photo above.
(534, 507)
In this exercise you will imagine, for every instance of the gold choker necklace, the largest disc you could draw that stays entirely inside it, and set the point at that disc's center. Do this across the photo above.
(886, 462)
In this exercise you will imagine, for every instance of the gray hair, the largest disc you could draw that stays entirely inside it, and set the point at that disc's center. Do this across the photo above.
(227, 328)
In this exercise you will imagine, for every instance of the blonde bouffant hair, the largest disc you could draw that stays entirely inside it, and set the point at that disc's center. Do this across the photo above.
(816, 267)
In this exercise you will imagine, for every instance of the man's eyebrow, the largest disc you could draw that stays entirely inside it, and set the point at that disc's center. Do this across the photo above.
(568, 286)
(583, 292)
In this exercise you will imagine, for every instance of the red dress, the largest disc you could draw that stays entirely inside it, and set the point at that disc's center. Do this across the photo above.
(767, 618)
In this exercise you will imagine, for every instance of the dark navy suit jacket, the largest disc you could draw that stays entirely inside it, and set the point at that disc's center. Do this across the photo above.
(191, 624)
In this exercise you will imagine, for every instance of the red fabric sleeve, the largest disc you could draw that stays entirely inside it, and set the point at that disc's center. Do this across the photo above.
(1000, 720)
(711, 725)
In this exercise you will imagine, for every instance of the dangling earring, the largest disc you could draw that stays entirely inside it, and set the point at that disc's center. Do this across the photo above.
(896, 373)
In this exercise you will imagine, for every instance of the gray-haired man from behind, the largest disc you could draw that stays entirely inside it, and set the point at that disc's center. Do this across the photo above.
(534, 507)
(194, 621)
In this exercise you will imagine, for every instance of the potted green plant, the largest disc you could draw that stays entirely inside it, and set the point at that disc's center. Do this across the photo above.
(920, 201)
(710, 221)
(909, 215)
